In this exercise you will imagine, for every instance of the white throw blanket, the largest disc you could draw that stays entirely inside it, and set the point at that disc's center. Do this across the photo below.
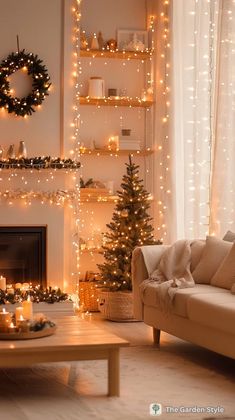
(173, 273)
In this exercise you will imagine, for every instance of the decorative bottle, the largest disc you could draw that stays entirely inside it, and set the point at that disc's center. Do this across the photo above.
(22, 152)
(11, 152)
(100, 40)
(94, 43)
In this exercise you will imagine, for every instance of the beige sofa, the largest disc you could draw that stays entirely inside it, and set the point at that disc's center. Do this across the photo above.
(203, 315)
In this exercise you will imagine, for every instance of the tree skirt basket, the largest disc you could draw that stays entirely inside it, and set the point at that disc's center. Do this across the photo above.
(116, 306)
(88, 295)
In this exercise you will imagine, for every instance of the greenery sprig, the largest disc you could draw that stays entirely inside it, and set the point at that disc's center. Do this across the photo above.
(40, 83)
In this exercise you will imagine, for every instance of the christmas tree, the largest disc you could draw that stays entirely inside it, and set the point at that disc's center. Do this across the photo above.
(130, 227)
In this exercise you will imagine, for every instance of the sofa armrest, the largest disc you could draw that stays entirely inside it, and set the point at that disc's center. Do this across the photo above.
(144, 261)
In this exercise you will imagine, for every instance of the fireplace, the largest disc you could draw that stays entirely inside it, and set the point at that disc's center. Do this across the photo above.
(23, 254)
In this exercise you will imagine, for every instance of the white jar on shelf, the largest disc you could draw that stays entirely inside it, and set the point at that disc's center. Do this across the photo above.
(96, 87)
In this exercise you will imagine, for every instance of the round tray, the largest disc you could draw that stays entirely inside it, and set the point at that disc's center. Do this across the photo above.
(28, 335)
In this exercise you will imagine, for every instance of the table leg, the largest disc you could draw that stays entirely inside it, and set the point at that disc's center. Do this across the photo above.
(114, 373)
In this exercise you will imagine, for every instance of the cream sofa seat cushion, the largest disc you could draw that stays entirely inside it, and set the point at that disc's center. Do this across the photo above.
(215, 310)
(181, 299)
(213, 254)
(225, 275)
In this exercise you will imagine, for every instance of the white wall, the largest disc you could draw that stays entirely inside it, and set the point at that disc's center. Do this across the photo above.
(45, 28)
(41, 26)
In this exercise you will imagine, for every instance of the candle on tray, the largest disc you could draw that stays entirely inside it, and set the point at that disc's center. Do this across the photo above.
(19, 314)
(23, 324)
(12, 328)
(5, 319)
(27, 308)
(2, 283)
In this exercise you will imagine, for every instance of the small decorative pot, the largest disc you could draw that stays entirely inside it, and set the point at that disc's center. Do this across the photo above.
(11, 152)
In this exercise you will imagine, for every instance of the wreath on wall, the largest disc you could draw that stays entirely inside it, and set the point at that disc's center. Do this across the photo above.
(40, 83)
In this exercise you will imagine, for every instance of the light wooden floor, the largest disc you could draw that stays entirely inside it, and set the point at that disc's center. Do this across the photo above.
(139, 334)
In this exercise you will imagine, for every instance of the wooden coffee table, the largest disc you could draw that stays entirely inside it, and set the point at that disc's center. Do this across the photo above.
(75, 339)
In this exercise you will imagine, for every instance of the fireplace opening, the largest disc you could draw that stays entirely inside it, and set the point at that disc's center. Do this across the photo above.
(23, 254)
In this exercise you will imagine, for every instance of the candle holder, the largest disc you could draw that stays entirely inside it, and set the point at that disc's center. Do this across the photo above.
(12, 328)
(24, 325)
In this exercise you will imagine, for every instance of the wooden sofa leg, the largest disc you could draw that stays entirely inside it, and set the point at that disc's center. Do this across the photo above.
(156, 336)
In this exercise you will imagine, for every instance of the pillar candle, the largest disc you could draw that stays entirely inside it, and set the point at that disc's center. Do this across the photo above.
(18, 285)
(2, 283)
(19, 314)
(27, 309)
(5, 320)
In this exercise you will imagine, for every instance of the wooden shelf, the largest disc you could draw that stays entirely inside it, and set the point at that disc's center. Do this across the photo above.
(96, 195)
(91, 251)
(114, 153)
(101, 199)
(126, 55)
(85, 100)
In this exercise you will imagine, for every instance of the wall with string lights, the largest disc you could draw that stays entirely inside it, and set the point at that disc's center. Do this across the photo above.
(37, 192)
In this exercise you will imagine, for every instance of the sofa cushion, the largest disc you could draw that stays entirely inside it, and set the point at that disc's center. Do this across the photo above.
(181, 298)
(229, 236)
(197, 248)
(225, 275)
(213, 254)
(215, 310)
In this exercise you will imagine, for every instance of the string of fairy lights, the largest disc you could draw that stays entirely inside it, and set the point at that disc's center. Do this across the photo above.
(162, 189)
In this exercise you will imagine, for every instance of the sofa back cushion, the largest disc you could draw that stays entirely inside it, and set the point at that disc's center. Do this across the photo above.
(213, 254)
(225, 275)
(197, 248)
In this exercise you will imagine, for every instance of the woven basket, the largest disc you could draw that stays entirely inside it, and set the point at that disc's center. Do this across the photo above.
(116, 306)
(88, 295)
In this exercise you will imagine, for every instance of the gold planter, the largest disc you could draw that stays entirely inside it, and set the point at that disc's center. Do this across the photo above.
(116, 306)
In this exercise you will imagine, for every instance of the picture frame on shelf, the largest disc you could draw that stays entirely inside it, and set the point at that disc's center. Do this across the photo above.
(132, 40)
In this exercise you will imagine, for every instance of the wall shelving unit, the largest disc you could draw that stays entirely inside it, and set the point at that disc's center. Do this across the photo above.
(106, 116)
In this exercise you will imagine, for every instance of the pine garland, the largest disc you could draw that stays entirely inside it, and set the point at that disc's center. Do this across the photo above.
(39, 163)
(37, 294)
(130, 227)
(40, 85)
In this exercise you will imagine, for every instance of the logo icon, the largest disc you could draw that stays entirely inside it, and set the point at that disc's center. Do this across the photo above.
(155, 409)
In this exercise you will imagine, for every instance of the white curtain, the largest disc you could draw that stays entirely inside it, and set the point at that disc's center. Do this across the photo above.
(195, 151)
(222, 201)
(194, 35)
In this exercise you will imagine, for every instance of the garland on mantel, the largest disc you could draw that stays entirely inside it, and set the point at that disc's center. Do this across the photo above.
(37, 294)
(58, 197)
(39, 163)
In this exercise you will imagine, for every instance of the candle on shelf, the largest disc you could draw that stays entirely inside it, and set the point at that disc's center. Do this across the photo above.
(18, 285)
(19, 314)
(2, 283)
(10, 289)
(25, 286)
(27, 308)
